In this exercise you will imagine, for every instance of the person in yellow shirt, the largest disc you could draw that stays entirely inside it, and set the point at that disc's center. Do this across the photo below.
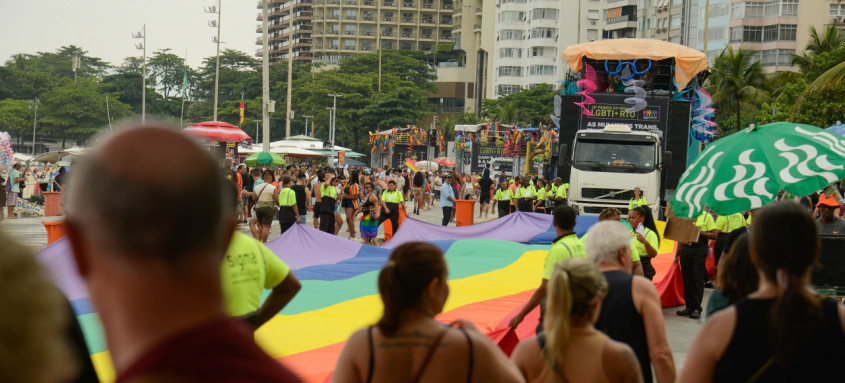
(646, 239)
(560, 192)
(503, 198)
(288, 210)
(726, 224)
(692, 257)
(524, 197)
(565, 246)
(247, 269)
(391, 199)
(637, 200)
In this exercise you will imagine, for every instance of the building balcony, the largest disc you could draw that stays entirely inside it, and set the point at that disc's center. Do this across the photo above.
(407, 35)
(349, 33)
(408, 5)
(334, 17)
(389, 4)
(428, 6)
(388, 19)
(368, 18)
(369, 3)
(426, 37)
(427, 22)
(387, 34)
(446, 22)
(447, 7)
(351, 2)
(621, 22)
(351, 18)
(366, 49)
(366, 33)
(407, 20)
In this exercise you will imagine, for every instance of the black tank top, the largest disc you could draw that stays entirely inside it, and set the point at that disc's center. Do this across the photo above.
(620, 320)
(750, 348)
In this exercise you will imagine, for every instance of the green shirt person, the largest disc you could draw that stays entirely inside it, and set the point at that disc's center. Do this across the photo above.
(637, 200)
(247, 269)
(729, 223)
(565, 246)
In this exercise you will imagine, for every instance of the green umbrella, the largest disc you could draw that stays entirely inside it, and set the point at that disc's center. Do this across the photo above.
(264, 158)
(747, 169)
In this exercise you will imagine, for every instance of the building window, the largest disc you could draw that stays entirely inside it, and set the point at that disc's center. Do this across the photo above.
(593, 34)
(335, 29)
(334, 44)
(387, 16)
(593, 15)
(446, 19)
(425, 33)
(719, 10)
(716, 34)
(543, 33)
(349, 29)
(510, 53)
(426, 47)
(544, 14)
(510, 71)
(351, 14)
(335, 14)
(746, 34)
(510, 34)
(368, 16)
(542, 51)
(387, 32)
(366, 45)
(676, 22)
(511, 16)
(387, 45)
(541, 70)
(789, 7)
(366, 30)
(349, 44)
(406, 45)
(407, 17)
(837, 9)
(505, 90)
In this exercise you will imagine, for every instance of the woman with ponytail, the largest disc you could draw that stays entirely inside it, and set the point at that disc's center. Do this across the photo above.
(783, 332)
(570, 349)
(408, 344)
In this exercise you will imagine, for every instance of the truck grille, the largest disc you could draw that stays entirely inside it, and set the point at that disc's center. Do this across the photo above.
(596, 193)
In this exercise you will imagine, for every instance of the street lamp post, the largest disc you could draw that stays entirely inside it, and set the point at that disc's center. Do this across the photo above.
(306, 123)
(216, 24)
(290, 67)
(143, 46)
(466, 60)
(34, 107)
(333, 127)
(265, 76)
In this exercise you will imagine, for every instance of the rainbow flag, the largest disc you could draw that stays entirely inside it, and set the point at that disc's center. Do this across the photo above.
(411, 164)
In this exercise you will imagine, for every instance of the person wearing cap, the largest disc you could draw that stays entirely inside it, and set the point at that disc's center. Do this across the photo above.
(828, 222)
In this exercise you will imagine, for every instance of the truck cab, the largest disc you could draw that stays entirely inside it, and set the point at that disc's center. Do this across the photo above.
(608, 163)
(500, 165)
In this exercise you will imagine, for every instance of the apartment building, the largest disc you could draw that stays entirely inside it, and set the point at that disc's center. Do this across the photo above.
(675, 21)
(279, 29)
(328, 30)
(773, 29)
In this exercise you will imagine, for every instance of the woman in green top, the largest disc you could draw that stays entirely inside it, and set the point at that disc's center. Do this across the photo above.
(638, 199)
(647, 241)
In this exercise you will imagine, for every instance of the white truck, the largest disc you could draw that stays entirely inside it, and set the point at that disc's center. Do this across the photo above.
(608, 163)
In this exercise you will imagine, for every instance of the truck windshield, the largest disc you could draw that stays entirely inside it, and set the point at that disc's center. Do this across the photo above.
(615, 156)
(506, 167)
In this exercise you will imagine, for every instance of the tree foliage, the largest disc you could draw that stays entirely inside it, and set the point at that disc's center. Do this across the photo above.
(526, 107)
(737, 84)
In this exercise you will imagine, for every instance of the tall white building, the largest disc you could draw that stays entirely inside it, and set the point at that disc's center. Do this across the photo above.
(529, 37)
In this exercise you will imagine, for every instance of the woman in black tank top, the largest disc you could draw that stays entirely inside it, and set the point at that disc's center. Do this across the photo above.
(782, 332)
(408, 344)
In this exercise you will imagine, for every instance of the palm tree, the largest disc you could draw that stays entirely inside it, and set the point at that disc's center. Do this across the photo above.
(509, 114)
(829, 40)
(737, 81)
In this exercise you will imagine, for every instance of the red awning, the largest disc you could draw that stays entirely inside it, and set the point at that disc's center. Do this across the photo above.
(217, 131)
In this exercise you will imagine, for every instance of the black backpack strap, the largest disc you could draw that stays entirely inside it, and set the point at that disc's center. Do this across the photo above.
(372, 356)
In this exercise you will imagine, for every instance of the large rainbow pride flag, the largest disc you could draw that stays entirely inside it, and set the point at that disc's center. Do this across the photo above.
(494, 268)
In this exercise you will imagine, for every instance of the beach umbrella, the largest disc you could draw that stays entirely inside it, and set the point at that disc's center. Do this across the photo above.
(445, 162)
(837, 129)
(264, 158)
(217, 131)
(428, 166)
(747, 169)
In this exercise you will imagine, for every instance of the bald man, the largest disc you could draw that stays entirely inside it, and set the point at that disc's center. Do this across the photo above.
(153, 276)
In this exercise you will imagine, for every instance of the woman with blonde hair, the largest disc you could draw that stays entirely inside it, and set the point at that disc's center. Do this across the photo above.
(570, 349)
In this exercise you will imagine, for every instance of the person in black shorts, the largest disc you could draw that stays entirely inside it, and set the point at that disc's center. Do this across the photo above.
(484, 185)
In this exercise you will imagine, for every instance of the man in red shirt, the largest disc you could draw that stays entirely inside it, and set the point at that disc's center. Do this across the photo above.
(153, 276)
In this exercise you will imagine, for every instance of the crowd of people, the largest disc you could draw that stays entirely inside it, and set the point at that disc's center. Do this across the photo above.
(362, 198)
(178, 291)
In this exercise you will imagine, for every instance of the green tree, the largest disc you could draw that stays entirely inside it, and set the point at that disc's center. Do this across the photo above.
(524, 107)
(239, 74)
(15, 117)
(78, 109)
(168, 70)
(826, 41)
(60, 63)
(407, 65)
(20, 78)
(737, 83)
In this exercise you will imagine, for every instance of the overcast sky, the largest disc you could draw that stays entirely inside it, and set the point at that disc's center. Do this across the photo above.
(104, 27)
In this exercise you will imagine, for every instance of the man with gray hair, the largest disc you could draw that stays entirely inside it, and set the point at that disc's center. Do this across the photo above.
(153, 275)
(630, 311)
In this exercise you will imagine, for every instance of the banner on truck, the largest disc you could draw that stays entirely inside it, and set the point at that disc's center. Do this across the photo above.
(610, 108)
(483, 153)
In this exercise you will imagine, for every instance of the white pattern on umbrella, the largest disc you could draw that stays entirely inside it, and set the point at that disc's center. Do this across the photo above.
(791, 154)
(740, 181)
